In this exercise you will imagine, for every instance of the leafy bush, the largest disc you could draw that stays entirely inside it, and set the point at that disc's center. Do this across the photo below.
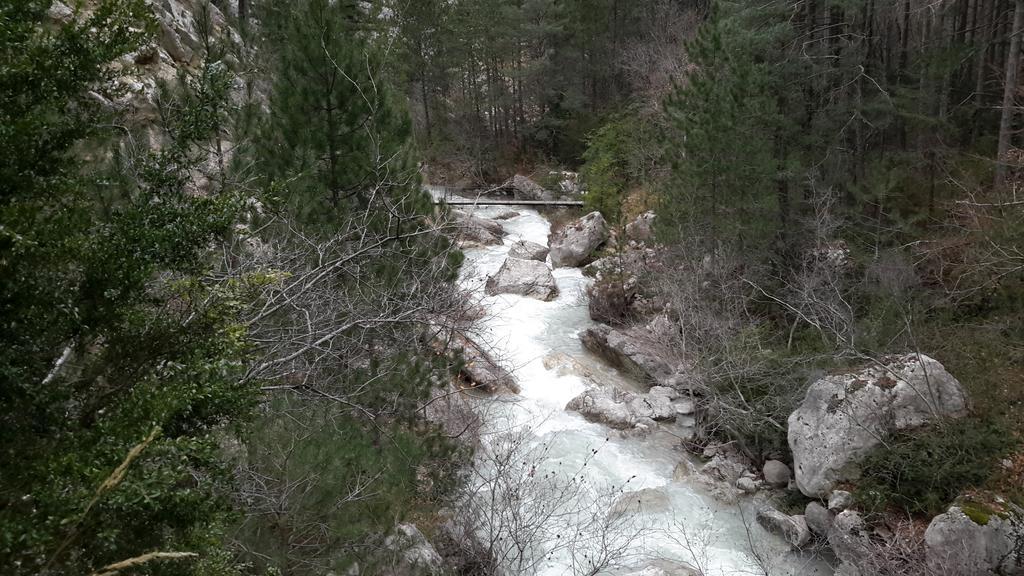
(923, 471)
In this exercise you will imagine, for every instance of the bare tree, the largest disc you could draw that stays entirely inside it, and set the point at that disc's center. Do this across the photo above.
(1010, 88)
(526, 508)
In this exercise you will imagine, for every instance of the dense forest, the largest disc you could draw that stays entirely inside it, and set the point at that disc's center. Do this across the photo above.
(229, 301)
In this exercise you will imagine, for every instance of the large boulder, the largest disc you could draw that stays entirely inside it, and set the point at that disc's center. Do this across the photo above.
(475, 231)
(844, 417)
(792, 528)
(575, 243)
(506, 215)
(637, 351)
(604, 407)
(641, 229)
(526, 250)
(480, 370)
(411, 553)
(975, 540)
(623, 410)
(525, 189)
(525, 278)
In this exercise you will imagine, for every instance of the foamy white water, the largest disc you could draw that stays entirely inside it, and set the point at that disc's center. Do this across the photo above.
(676, 523)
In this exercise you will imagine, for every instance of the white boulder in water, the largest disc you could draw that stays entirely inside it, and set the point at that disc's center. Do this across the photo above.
(526, 250)
(525, 278)
(574, 244)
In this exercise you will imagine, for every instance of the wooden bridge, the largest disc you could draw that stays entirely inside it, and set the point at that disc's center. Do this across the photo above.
(507, 202)
(444, 195)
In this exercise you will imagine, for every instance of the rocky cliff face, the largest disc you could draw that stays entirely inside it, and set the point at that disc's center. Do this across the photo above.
(177, 47)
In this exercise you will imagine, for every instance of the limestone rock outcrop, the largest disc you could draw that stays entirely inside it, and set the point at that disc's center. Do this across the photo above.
(622, 410)
(985, 543)
(637, 351)
(412, 554)
(525, 278)
(641, 229)
(844, 417)
(575, 243)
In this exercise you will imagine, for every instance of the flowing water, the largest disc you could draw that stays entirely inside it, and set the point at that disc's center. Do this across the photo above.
(675, 522)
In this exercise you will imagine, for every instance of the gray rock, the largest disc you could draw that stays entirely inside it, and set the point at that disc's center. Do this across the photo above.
(60, 12)
(506, 215)
(848, 538)
(839, 500)
(603, 407)
(641, 228)
(746, 484)
(776, 474)
(473, 230)
(844, 417)
(623, 410)
(685, 407)
(792, 528)
(636, 351)
(657, 407)
(479, 369)
(957, 545)
(171, 41)
(525, 278)
(526, 250)
(576, 242)
(818, 518)
(414, 555)
(725, 466)
(670, 393)
(525, 189)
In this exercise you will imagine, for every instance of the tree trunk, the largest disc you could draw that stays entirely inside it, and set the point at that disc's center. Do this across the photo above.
(1009, 91)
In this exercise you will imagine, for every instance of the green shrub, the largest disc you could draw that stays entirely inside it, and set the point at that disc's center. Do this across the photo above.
(923, 471)
(606, 168)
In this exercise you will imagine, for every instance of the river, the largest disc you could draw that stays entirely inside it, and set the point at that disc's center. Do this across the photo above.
(579, 469)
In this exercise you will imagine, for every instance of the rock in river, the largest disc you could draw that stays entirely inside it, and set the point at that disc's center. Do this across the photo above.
(526, 250)
(473, 230)
(524, 277)
(574, 244)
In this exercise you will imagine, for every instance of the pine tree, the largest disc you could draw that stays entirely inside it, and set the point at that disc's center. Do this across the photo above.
(722, 143)
(334, 122)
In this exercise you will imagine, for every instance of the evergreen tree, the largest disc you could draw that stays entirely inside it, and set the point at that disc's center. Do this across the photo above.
(724, 124)
(334, 123)
(119, 364)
